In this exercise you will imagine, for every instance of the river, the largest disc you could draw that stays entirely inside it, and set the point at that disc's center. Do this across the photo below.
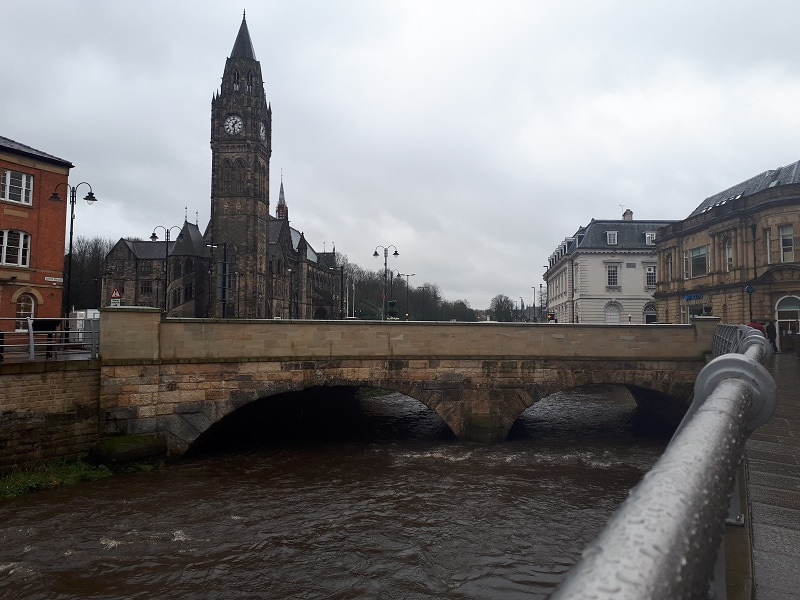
(390, 506)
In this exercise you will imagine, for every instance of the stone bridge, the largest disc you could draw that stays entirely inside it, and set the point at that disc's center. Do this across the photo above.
(177, 377)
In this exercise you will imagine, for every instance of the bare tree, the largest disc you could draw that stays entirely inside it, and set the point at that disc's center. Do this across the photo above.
(88, 258)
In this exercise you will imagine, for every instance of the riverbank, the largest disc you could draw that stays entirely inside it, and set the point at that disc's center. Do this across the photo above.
(50, 475)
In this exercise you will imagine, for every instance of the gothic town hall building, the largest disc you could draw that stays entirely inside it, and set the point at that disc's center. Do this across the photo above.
(247, 263)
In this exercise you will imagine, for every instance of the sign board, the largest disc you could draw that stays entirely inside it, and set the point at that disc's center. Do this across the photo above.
(55, 279)
(115, 302)
(115, 295)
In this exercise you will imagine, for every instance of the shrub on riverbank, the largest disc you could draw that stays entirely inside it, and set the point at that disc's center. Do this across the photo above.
(49, 475)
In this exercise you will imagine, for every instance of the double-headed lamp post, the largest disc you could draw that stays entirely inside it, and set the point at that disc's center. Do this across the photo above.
(153, 238)
(407, 276)
(385, 270)
(90, 199)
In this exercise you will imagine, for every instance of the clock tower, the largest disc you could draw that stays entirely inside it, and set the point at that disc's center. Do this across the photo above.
(241, 145)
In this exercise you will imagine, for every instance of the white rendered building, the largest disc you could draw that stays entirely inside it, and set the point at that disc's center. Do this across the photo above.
(605, 273)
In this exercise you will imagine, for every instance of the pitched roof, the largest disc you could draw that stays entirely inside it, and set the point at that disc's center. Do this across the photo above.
(18, 148)
(243, 47)
(781, 176)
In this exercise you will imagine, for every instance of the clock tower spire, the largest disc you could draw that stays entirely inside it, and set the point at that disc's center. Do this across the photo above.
(241, 146)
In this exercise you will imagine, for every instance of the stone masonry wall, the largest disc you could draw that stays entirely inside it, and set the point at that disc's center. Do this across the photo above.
(47, 410)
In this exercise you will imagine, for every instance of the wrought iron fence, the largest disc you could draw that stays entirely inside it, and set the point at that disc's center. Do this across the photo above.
(32, 339)
(665, 541)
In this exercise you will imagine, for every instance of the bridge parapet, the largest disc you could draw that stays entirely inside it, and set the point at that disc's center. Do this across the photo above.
(179, 376)
(140, 334)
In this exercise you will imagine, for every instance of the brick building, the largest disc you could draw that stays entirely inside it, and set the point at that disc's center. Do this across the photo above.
(32, 232)
(735, 256)
(247, 263)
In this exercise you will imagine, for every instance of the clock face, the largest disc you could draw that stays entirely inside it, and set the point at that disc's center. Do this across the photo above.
(263, 132)
(233, 124)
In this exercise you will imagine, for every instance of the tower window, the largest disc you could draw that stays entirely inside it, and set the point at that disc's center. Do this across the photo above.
(249, 83)
(235, 77)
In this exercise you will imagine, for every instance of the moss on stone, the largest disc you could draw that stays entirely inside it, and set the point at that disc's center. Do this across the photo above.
(122, 450)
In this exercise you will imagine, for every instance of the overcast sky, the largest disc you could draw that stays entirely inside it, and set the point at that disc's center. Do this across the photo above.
(472, 136)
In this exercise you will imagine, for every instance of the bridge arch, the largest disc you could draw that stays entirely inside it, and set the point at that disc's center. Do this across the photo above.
(177, 377)
(481, 406)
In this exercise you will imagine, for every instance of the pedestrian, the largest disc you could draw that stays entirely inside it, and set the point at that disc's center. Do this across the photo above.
(772, 334)
(756, 325)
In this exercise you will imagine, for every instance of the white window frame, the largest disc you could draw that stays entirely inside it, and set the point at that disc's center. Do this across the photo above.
(696, 253)
(728, 255)
(23, 251)
(650, 275)
(650, 238)
(25, 307)
(612, 271)
(611, 238)
(24, 189)
(786, 233)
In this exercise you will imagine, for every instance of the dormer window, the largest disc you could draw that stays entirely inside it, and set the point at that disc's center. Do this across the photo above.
(650, 238)
(611, 238)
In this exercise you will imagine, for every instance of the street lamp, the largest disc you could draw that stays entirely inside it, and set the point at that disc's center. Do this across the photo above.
(224, 274)
(153, 238)
(90, 199)
(385, 271)
(406, 275)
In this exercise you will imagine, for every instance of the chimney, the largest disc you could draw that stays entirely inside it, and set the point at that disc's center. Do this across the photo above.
(627, 215)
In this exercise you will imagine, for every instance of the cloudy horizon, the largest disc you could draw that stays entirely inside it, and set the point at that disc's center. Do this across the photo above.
(472, 137)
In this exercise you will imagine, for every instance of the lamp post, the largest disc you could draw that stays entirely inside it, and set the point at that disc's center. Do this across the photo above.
(225, 282)
(541, 302)
(90, 199)
(407, 275)
(153, 238)
(385, 271)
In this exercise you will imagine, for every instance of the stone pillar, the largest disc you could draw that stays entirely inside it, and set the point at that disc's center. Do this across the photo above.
(130, 333)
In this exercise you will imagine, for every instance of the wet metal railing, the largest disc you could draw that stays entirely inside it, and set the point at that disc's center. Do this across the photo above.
(664, 542)
(26, 340)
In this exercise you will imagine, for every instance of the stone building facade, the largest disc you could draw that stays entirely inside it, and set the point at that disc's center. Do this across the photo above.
(246, 263)
(32, 233)
(735, 256)
(605, 273)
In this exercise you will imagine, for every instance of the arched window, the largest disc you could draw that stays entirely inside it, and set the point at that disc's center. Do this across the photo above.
(649, 312)
(613, 312)
(235, 78)
(176, 269)
(26, 305)
(15, 248)
(249, 83)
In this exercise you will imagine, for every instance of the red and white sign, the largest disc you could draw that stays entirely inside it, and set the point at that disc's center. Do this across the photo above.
(115, 295)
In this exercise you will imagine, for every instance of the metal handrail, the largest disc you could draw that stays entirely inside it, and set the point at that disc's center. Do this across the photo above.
(664, 542)
(48, 339)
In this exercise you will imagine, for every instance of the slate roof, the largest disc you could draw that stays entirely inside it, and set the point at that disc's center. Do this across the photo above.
(630, 234)
(243, 46)
(147, 250)
(33, 152)
(775, 177)
(190, 242)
